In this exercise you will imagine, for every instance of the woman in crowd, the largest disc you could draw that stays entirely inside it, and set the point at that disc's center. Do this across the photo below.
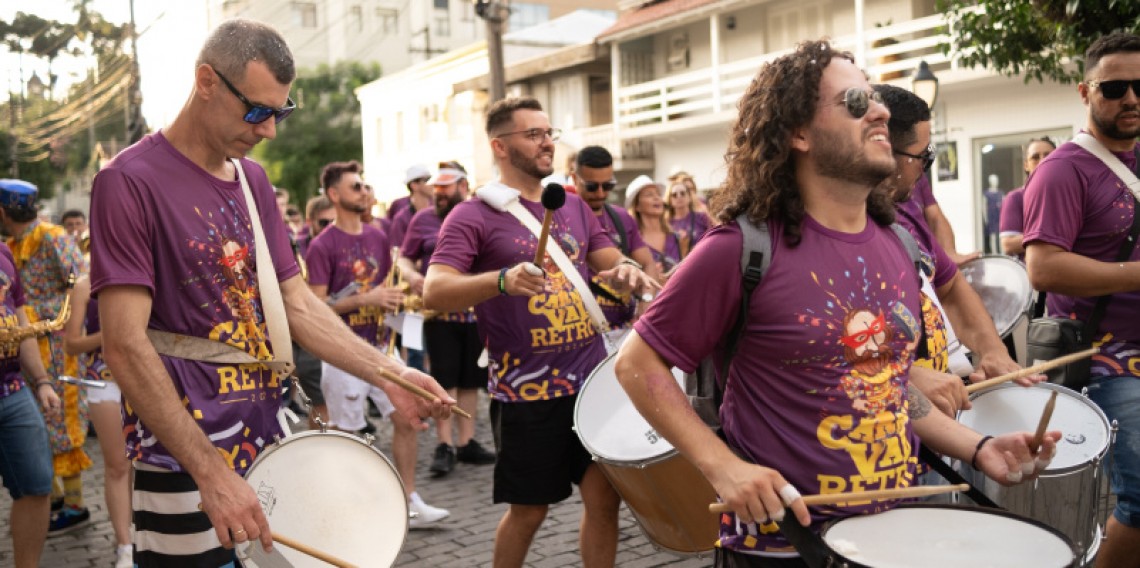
(644, 201)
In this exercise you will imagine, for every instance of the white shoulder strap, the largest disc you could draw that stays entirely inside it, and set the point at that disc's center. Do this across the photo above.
(268, 288)
(503, 198)
(1094, 147)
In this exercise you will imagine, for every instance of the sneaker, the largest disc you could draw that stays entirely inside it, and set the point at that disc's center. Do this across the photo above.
(475, 453)
(443, 461)
(124, 556)
(68, 519)
(56, 504)
(421, 514)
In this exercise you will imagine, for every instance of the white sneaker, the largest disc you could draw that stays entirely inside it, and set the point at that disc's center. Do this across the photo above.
(124, 557)
(421, 514)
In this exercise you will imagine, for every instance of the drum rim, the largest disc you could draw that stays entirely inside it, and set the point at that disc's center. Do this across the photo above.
(1076, 555)
(1029, 298)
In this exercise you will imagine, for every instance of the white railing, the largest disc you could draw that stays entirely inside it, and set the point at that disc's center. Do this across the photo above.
(698, 93)
(606, 136)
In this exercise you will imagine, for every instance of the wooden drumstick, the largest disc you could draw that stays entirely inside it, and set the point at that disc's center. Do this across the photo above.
(1039, 436)
(416, 390)
(553, 198)
(878, 495)
(1059, 361)
(306, 549)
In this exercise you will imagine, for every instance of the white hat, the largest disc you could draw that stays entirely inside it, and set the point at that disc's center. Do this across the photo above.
(639, 183)
(447, 176)
(416, 172)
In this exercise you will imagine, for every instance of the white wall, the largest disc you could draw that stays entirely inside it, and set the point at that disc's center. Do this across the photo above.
(700, 153)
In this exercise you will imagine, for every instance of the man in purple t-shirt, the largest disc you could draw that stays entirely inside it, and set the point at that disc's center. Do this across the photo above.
(348, 266)
(1078, 214)
(1012, 226)
(541, 342)
(817, 397)
(174, 251)
(593, 177)
(419, 193)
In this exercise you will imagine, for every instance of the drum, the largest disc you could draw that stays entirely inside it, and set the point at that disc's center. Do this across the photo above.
(1003, 284)
(945, 536)
(1067, 495)
(665, 492)
(334, 492)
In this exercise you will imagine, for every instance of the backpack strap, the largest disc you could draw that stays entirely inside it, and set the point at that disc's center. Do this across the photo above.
(910, 245)
(755, 258)
(623, 242)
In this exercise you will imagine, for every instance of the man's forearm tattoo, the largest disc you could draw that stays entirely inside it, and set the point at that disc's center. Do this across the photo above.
(919, 405)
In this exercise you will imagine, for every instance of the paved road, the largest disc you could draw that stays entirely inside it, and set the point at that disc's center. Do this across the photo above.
(465, 539)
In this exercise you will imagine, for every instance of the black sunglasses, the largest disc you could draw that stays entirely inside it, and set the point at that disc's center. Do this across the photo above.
(255, 113)
(927, 156)
(858, 101)
(322, 223)
(594, 185)
(1113, 90)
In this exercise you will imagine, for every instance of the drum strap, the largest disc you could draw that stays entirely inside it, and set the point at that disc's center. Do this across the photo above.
(949, 474)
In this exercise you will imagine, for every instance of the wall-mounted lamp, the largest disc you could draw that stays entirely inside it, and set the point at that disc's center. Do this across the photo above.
(730, 23)
(925, 84)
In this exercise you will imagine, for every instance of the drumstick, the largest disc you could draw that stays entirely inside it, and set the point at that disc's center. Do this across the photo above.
(318, 554)
(416, 390)
(1039, 436)
(1059, 361)
(879, 495)
(553, 197)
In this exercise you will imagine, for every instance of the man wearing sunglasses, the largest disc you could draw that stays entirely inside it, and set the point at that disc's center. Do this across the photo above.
(171, 233)
(593, 177)
(1078, 215)
(818, 383)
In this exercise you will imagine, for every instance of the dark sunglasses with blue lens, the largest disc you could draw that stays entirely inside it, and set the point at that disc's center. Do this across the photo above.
(255, 113)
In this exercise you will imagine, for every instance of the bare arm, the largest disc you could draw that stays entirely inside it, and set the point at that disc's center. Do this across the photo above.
(1012, 245)
(975, 327)
(1054, 269)
(411, 274)
(607, 263)
(33, 367)
(75, 340)
(944, 233)
(751, 490)
(448, 290)
(381, 296)
(645, 259)
(230, 503)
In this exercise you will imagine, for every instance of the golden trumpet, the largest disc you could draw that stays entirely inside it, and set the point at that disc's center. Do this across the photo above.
(11, 336)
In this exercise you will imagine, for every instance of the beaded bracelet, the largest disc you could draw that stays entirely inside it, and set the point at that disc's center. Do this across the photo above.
(978, 448)
(503, 281)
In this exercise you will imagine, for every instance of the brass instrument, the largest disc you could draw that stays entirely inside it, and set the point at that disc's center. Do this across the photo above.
(11, 336)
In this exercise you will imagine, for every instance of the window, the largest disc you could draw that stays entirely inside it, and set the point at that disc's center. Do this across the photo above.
(442, 27)
(389, 19)
(304, 14)
(356, 18)
(440, 4)
(524, 15)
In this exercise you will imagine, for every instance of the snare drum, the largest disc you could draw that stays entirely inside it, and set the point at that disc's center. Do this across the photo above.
(335, 492)
(1003, 284)
(944, 536)
(666, 493)
(1067, 495)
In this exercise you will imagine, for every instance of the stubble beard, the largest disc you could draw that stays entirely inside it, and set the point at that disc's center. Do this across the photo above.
(839, 159)
(1109, 129)
(528, 165)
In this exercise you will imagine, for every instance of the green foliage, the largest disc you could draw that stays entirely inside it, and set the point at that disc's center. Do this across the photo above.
(324, 128)
(1034, 39)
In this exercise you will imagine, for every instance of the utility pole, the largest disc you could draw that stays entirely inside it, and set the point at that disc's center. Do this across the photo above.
(426, 50)
(134, 93)
(494, 14)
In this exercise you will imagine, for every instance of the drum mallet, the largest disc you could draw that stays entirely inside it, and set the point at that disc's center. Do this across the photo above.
(1059, 361)
(859, 496)
(305, 549)
(416, 390)
(553, 198)
(1039, 436)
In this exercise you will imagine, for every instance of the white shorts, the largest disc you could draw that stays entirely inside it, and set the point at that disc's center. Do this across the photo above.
(344, 395)
(111, 393)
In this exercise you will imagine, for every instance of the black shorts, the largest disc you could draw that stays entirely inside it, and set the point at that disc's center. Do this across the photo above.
(454, 349)
(539, 455)
(309, 374)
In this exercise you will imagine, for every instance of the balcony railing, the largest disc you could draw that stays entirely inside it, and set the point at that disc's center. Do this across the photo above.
(628, 153)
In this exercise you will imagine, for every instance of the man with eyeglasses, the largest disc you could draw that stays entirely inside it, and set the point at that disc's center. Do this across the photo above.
(174, 251)
(819, 381)
(540, 342)
(1078, 215)
(593, 177)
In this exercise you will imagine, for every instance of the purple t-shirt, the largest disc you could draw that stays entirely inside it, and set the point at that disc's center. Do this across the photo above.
(671, 256)
(544, 346)
(942, 269)
(818, 386)
(337, 259)
(921, 197)
(160, 221)
(419, 244)
(399, 226)
(1075, 202)
(11, 299)
(695, 224)
(1012, 213)
(398, 205)
(619, 314)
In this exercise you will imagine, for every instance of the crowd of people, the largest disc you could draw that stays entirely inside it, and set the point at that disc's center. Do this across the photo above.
(839, 368)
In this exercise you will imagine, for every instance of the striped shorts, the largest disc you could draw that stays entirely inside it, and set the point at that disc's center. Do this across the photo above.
(170, 530)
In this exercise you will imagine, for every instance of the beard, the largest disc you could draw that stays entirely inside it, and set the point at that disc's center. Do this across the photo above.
(1110, 129)
(354, 207)
(870, 362)
(444, 205)
(528, 165)
(839, 158)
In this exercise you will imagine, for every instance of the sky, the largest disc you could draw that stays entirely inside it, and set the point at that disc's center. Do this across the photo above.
(171, 31)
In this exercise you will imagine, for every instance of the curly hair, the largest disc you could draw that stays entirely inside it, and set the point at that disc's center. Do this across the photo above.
(761, 181)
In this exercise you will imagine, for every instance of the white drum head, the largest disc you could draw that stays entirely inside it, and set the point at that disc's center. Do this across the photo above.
(609, 426)
(1011, 408)
(946, 537)
(333, 492)
(1003, 284)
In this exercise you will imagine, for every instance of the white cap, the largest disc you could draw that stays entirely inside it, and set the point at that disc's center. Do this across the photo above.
(639, 183)
(447, 176)
(416, 172)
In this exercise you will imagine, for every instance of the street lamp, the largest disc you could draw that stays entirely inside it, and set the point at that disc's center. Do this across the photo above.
(925, 84)
(492, 12)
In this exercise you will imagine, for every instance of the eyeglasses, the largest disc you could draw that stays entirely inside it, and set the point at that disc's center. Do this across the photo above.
(1113, 90)
(590, 186)
(358, 186)
(322, 223)
(292, 212)
(537, 135)
(680, 193)
(255, 113)
(858, 101)
(927, 156)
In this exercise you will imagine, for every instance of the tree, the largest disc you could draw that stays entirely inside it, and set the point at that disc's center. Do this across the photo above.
(324, 128)
(1034, 39)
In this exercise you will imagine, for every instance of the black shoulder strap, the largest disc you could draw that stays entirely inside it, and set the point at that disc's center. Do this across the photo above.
(623, 243)
(910, 244)
(755, 258)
